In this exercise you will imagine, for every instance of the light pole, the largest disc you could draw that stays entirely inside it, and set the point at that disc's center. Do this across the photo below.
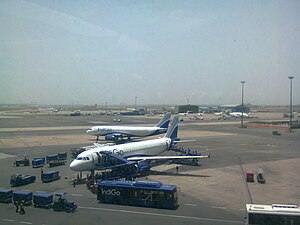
(242, 118)
(135, 102)
(291, 102)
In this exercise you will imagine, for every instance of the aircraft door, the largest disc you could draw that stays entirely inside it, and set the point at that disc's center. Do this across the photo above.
(96, 158)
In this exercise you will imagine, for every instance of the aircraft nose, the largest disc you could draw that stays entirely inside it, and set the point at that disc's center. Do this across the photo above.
(74, 165)
(89, 131)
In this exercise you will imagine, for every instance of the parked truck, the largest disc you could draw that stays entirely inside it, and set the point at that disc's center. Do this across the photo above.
(43, 200)
(19, 180)
(38, 162)
(56, 159)
(6, 195)
(23, 196)
(50, 176)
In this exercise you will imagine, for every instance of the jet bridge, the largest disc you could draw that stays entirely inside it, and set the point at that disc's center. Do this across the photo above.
(118, 166)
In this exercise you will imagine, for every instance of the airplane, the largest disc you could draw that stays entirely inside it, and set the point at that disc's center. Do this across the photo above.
(109, 157)
(184, 114)
(114, 133)
(218, 113)
(238, 114)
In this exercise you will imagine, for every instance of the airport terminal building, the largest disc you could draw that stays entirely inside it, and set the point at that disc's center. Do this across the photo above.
(185, 108)
(222, 108)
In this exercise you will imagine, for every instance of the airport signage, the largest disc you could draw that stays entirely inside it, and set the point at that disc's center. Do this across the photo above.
(110, 192)
(118, 152)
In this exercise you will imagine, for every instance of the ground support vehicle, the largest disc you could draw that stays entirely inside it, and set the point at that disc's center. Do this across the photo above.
(275, 214)
(25, 162)
(19, 180)
(260, 176)
(38, 162)
(276, 133)
(42, 200)
(23, 196)
(249, 176)
(50, 176)
(6, 195)
(56, 159)
(138, 193)
(62, 204)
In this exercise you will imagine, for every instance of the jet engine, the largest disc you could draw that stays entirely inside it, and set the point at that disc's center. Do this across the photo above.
(142, 167)
(111, 137)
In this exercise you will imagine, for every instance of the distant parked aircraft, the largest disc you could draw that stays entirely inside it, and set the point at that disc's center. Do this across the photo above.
(238, 114)
(114, 133)
(184, 114)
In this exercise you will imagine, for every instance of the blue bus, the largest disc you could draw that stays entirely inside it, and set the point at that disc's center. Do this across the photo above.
(138, 193)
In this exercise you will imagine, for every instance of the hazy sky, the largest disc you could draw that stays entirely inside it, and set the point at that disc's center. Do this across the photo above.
(165, 52)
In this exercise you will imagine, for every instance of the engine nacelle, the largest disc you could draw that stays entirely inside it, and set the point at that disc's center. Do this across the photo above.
(142, 167)
(111, 137)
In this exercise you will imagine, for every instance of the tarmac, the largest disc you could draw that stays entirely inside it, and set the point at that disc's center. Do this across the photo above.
(213, 193)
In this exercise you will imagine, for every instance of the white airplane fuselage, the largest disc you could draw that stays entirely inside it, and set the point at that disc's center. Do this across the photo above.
(238, 114)
(86, 160)
(129, 131)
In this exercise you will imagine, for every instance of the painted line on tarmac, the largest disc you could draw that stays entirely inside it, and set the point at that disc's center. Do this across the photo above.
(165, 215)
(24, 222)
(79, 195)
(218, 207)
(191, 204)
(8, 220)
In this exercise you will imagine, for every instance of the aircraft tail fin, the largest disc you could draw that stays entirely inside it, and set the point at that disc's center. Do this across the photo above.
(164, 122)
(173, 129)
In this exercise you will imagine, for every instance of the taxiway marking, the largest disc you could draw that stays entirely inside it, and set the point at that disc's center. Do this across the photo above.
(191, 204)
(164, 215)
(79, 195)
(24, 222)
(218, 207)
(8, 220)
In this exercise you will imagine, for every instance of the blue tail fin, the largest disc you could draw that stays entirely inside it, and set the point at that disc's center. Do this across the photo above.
(164, 122)
(173, 129)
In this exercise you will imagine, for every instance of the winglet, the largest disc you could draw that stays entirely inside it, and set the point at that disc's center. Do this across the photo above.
(173, 129)
(164, 122)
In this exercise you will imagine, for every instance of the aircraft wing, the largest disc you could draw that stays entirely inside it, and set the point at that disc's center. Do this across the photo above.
(183, 141)
(143, 158)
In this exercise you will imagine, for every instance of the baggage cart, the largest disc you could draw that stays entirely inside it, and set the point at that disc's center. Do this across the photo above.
(56, 159)
(6, 195)
(38, 162)
(23, 196)
(50, 176)
(43, 200)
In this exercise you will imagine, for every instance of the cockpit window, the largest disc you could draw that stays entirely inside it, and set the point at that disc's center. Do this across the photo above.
(82, 158)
